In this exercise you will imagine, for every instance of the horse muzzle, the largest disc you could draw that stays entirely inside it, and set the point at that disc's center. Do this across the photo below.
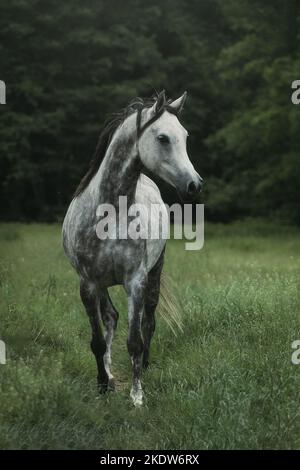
(190, 188)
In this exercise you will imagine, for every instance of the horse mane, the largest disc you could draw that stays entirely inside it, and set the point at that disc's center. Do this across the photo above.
(106, 135)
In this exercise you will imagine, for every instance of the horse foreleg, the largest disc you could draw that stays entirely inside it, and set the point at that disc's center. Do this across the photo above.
(136, 302)
(90, 300)
(151, 301)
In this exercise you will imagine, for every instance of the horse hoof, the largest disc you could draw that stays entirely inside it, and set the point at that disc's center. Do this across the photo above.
(103, 387)
(137, 397)
(111, 386)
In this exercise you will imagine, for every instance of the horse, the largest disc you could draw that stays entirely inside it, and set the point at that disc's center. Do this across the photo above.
(147, 135)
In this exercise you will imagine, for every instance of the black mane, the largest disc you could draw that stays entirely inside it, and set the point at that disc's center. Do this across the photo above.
(106, 135)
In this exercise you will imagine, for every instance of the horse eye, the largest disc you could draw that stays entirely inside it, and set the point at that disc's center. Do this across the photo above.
(164, 139)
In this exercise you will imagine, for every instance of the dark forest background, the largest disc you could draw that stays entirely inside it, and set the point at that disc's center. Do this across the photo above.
(67, 65)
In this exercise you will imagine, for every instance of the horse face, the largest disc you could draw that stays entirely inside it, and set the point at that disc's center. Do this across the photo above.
(162, 150)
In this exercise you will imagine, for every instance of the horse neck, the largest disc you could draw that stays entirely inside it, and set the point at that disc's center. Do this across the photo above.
(120, 170)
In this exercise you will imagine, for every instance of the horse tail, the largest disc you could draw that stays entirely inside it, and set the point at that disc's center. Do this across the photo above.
(169, 305)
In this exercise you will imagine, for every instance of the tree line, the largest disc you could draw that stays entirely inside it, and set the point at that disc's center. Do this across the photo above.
(68, 65)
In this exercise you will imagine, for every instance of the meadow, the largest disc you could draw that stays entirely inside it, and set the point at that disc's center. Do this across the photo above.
(226, 382)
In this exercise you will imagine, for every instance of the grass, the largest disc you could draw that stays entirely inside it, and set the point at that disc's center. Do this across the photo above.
(227, 382)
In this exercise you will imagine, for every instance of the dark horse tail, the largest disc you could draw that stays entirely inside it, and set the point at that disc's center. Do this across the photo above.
(169, 306)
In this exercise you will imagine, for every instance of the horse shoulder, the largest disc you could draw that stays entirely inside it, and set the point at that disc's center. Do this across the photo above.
(147, 191)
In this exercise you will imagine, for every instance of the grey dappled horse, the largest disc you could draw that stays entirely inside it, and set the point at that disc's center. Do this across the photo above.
(146, 135)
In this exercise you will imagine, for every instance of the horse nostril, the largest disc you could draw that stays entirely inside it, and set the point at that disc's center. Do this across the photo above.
(192, 188)
(201, 182)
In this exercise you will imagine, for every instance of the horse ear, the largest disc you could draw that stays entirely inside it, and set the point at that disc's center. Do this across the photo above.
(178, 104)
(159, 103)
(161, 100)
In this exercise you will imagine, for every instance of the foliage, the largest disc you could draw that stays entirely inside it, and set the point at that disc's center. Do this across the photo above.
(68, 64)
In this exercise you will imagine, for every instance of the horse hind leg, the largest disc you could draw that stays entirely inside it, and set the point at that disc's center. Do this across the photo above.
(151, 301)
(90, 300)
(110, 320)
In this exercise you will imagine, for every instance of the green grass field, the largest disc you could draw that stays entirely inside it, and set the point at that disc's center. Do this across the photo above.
(227, 382)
